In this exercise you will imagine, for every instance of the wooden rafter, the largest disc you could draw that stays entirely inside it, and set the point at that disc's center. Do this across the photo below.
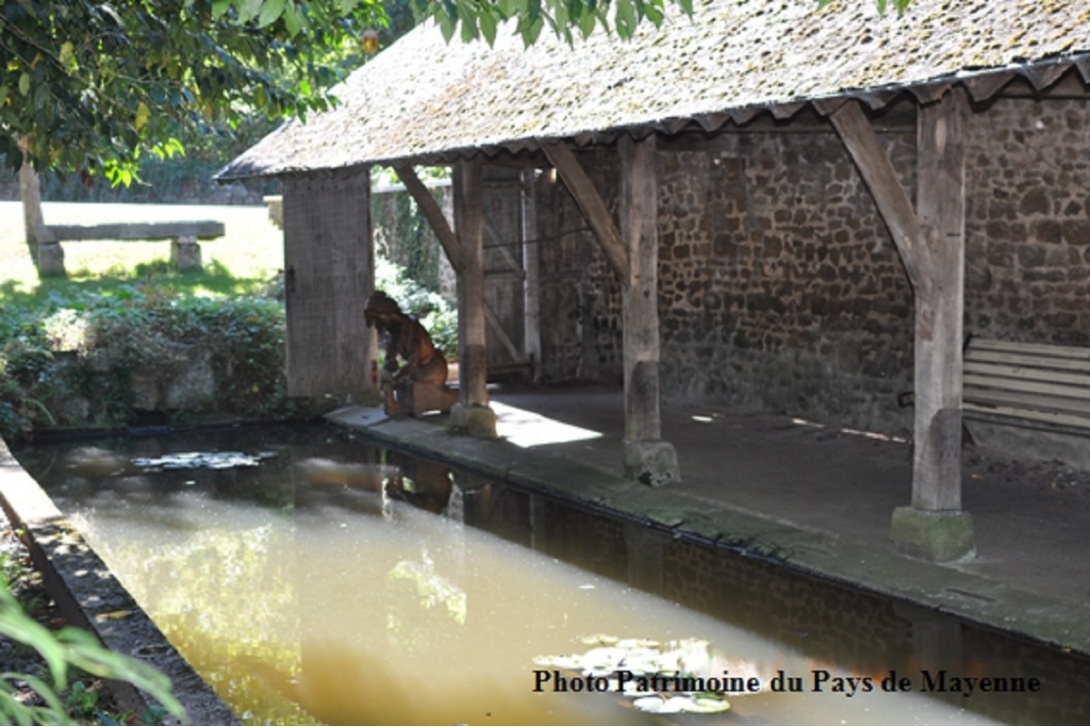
(593, 207)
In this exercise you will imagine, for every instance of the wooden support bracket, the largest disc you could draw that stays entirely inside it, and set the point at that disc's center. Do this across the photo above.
(588, 199)
(881, 178)
(432, 213)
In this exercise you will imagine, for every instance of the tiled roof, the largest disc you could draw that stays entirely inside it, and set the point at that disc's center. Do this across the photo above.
(422, 97)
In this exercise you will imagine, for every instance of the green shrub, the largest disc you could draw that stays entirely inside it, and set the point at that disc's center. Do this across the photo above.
(77, 362)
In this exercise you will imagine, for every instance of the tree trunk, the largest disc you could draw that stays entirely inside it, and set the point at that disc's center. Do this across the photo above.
(31, 193)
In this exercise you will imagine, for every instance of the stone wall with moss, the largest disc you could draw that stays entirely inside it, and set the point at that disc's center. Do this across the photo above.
(780, 287)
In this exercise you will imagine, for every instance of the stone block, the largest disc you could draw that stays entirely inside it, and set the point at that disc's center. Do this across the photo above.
(939, 536)
(185, 253)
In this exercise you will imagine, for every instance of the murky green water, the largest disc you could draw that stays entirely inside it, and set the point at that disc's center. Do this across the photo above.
(335, 582)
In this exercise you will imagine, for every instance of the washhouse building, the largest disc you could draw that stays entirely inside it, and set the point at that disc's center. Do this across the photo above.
(873, 221)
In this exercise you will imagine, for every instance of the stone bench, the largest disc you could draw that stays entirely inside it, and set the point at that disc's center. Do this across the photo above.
(1029, 399)
(185, 253)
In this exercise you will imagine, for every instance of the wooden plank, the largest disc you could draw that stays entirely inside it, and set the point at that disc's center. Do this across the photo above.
(126, 231)
(497, 328)
(1042, 349)
(429, 207)
(885, 186)
(1059, 364)
(1026, 373)
(996, 384)
(1001, 414)
(594, 209)
(1026, 401)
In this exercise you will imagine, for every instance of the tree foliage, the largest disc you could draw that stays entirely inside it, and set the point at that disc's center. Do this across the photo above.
(471, 19)
(88, 86)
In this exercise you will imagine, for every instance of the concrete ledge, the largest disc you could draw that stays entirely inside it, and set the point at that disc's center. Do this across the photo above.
(90, 597)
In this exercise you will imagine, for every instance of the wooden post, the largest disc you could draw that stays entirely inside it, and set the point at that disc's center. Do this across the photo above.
(472, 413)
(935, 526)
(532, 284)
(646, 456)
(931, 241)
(936, 483)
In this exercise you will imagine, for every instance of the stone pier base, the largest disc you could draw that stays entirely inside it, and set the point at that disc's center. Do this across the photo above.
(185, 253)
(476, 421)
(651, 461)
(936, 535)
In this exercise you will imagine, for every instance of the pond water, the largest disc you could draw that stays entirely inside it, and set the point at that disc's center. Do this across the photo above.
(311, 576)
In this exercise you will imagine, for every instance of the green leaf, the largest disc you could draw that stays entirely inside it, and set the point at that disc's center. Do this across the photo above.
(469, 29)
(488, 27)
(142, 113)
(24, 84)
(220, 8)
(625, 18)
(271, 10)
(293, 20)
(247, 9)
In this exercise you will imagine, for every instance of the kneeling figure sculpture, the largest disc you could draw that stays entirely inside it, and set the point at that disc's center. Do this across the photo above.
(420, 385)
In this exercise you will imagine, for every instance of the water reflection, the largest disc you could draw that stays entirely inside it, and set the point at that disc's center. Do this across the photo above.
(321, 586)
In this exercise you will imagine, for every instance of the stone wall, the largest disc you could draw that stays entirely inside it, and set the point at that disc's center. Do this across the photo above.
(780, 287)
(580, 296)
(1028, 256)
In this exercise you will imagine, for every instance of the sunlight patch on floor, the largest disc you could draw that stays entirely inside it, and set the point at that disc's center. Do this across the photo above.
(527, 429)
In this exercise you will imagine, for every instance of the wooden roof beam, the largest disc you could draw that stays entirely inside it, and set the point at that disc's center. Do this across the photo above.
(432, 213)
(594, 209)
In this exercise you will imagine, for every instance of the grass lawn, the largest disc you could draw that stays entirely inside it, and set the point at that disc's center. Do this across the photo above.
(247, 256)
